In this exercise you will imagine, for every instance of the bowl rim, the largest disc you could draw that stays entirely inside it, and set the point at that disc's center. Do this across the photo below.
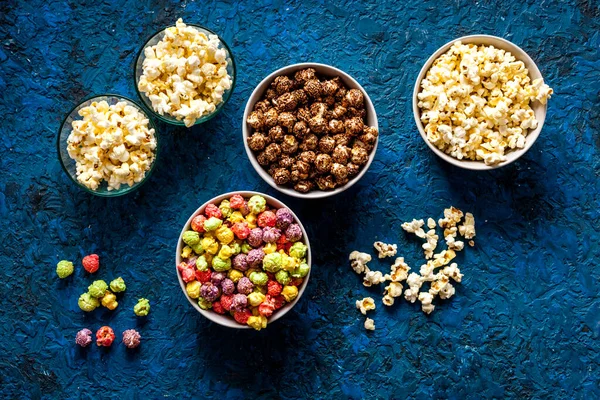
(255, 96)
(119, 192)
(173, 120)
(222, 319)
(501, 43)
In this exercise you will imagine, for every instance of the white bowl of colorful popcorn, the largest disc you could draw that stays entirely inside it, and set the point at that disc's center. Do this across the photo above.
(185, 74)
(310, 130)
(243, 260)
(108, 145)
(479, 102)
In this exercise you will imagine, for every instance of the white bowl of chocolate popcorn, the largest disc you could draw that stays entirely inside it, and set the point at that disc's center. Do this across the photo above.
(310, 130)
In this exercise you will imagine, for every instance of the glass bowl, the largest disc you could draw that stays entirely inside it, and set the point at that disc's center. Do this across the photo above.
(137, 72)
(69, 165)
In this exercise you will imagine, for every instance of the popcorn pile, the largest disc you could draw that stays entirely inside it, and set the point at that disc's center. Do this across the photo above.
(98, 294)
(244, 258)
(475, 102)
(111, 143)
(105, 337)
(440, 281)
(185, 74)
(309, 132)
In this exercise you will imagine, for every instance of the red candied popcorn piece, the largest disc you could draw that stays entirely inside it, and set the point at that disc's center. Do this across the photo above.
(212, 210)
(278, 301)
(241, 317)
(226, 301)
(203, 276)
(274, 288)
(240, 230)
(182, 265)
(188, 275)
(105, 336)
(266, 309)
(266, 218)
(296, 282)
(198, 223)
(236, 201)
(91, 263)
(218, 308)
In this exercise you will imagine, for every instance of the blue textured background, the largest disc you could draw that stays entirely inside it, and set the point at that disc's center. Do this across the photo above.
(525, 322)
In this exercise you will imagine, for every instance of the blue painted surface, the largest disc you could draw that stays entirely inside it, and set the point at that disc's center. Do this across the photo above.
(525, 323)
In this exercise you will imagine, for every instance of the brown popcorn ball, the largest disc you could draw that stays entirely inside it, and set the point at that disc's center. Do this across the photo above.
(300, 129)
(273, 151)
(326, 144)
(257, 141)
(371, 130)
(356, 112)
(285, 161)
(303, 186)
(289, 145)
(354, 98)
(313, 88)
(303, 114)
(305, 75)
(330, 87)
(359, 155)
(262, 106)
(295, 176)
(325, 182)
(318, 124)
(256, 119)
(369, 137)
(300, 96)
(271, 118)
(342, 138)
(354, 126)
(341, 94)
(263, 159)
(282, 84)
(285, 102)
(307, 156)
(323, 163)
(338, 112)
(336, 126)
(352, 169)
(310, 142)
(341, 154)
(276, 134)
(302, 168)
(281, 176)
(318, 109)
(339, 171)
(286, 120)
(270, 94)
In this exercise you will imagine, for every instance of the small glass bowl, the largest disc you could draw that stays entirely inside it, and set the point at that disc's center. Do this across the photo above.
(69, 165)
(137, 72)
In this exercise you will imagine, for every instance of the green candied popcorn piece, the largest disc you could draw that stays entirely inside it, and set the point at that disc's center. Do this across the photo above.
(204, 304)
(225, 208)
(298, 250)
(246, 247)
(64, 268)
(272, 262)
(97, 289)
(212, 224)
(118, 285)
(198, 249)
(201, 263)
(142, 308)
(301, 271)
(257, 204)
(220, 264)
(87, 303)
(191, 238)
(259, 278)
(235, 247)
(283, 277)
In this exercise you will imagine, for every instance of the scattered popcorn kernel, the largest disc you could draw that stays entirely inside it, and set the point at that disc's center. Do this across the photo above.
(385, 250)
(432, 240)
(372, 278)
(415, 226)
(358, 261)
(369, 324)
(425, 298)
(453, 244)
(431, 223)
(467, 229)
(366, 304)
(399, 270)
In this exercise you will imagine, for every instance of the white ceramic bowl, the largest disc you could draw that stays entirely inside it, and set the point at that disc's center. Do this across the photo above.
(538, 108)
(226, 320)
(323, 70)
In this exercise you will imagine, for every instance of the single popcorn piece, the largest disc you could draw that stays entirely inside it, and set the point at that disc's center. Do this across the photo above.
(432, 240)
(118, 285)
(452, 216)
(88, 303)
(393, 290)
(97, 289)
(415, 226)
(414, 282)
(83, 337)
(131, 338)
(454, 244)
(142, 308)
(385, 250)
(467, 229)
(105, 336)
(64, 269)
(373, 278)
(452, 271)
(112, 144)
(109, 300)
(358, 261)
(185, 74)
(366, 304)
(399, 271)
(431, 223)
(369, 324)
(426, 298)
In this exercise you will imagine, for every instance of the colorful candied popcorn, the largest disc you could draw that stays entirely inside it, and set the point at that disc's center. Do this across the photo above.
(131, 338)
(105, 336)
(91, 263)
(244, 258)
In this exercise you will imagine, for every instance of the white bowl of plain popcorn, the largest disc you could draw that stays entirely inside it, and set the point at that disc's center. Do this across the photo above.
(108, 145)
(185, 74)
(480, 102)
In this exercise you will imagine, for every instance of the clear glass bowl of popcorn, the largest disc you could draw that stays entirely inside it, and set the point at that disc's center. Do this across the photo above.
(69, 165)
(164, 116)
